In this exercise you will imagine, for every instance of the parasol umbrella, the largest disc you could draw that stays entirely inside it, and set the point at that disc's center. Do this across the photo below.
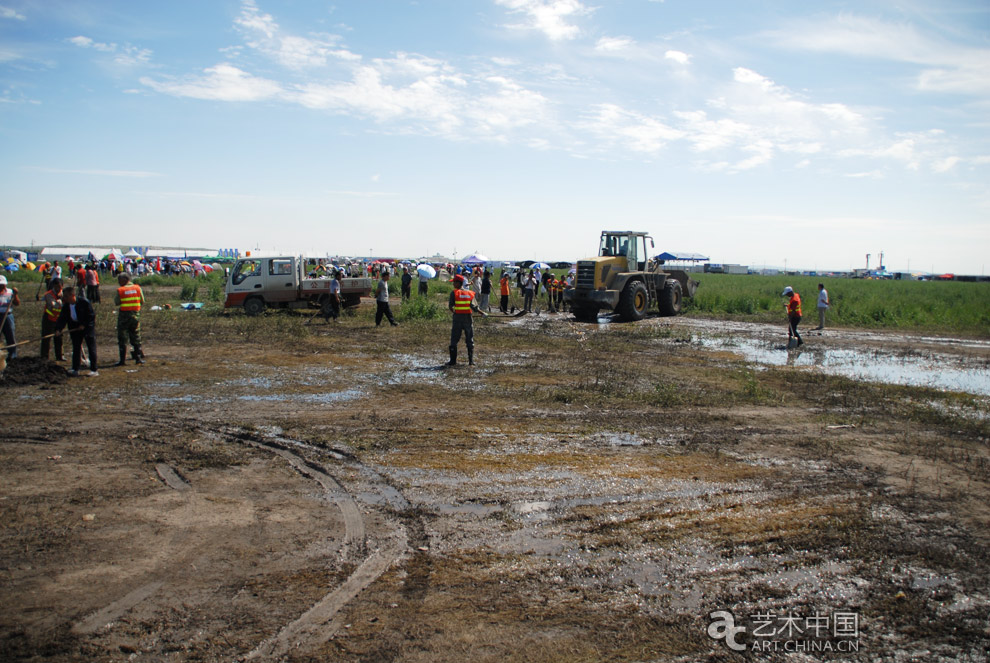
(114, 254)
(539, 265)
(426, 271)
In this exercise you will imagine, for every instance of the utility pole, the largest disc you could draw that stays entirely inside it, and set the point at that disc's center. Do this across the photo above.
(867, 262)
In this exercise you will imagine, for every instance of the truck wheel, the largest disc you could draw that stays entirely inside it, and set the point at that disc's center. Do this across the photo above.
(672, 298)
(633, 301)
(585, 313)
(254, 305)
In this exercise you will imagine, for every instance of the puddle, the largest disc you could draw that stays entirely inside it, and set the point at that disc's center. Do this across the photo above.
(918, 369)
(155, 399)
(328, 397)
(468, 508)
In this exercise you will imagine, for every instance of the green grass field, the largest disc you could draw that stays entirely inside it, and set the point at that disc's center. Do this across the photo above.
(933, 306)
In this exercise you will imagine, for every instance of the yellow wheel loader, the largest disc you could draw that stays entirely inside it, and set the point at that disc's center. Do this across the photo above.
(623, 279)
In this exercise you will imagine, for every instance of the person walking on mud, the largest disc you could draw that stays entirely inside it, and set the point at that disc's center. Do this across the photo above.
(129, 298)
(461, 304)
(793, 308)
(381, 300)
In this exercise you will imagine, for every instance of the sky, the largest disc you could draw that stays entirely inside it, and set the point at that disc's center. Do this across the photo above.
(765, 133)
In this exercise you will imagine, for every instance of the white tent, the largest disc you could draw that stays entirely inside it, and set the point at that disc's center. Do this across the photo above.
(132, 254)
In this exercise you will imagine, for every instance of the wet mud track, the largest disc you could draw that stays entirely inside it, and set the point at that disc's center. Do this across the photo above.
(349, 499)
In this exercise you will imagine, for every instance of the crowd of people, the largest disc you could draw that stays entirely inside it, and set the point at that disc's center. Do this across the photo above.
(72, 306)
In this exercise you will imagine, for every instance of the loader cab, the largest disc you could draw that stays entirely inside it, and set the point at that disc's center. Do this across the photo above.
(628, 245)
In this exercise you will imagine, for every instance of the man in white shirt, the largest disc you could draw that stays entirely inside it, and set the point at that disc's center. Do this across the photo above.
(381, 299)
(822, 305)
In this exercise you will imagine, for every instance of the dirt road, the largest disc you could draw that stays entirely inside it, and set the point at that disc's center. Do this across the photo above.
(266, 490)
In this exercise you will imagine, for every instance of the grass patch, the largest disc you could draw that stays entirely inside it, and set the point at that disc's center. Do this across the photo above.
(943, 306)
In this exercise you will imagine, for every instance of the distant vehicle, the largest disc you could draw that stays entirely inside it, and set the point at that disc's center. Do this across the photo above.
(263, 282)
(623, 279)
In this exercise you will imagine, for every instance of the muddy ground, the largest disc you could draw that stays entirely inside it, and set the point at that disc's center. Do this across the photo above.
(267, 489)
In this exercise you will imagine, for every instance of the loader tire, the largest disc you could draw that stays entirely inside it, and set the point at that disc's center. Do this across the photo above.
(672, 298)
(633, 301)
(254, 306)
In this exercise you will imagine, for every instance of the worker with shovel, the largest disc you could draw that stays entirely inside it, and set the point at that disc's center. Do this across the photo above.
(461, 304)
(53, 306)
(78, 315)
(8, 300)
(793, 308)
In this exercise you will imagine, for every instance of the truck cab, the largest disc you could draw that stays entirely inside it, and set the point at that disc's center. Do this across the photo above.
(274, 279)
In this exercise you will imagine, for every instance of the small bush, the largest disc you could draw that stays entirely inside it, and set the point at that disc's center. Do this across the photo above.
(189, 290)
(423, 308)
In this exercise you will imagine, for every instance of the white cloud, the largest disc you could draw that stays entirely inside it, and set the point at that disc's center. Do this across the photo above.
(910, 150)
(86, 42)
(677, 56)
(947, 66)
(945, 165)
(613, 44)
(292, 51)
(131, 55)
(224, 82)
(633, 131)
(126, 55)
(8, 13)
(551, 17)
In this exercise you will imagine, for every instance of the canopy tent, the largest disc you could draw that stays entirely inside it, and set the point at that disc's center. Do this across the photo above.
(475, 259)
(681, 256)
(132, 254)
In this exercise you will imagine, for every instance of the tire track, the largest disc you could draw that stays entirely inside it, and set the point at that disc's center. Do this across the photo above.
(318, 624)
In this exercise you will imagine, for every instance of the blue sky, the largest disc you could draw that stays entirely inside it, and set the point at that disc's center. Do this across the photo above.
(755, 132)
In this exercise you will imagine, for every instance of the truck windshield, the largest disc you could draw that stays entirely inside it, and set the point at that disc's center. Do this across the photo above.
(244, 269)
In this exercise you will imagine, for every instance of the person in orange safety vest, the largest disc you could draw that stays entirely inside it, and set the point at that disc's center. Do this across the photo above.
(462, 304)
(793, 308)
(129, 298)
(503, 285)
